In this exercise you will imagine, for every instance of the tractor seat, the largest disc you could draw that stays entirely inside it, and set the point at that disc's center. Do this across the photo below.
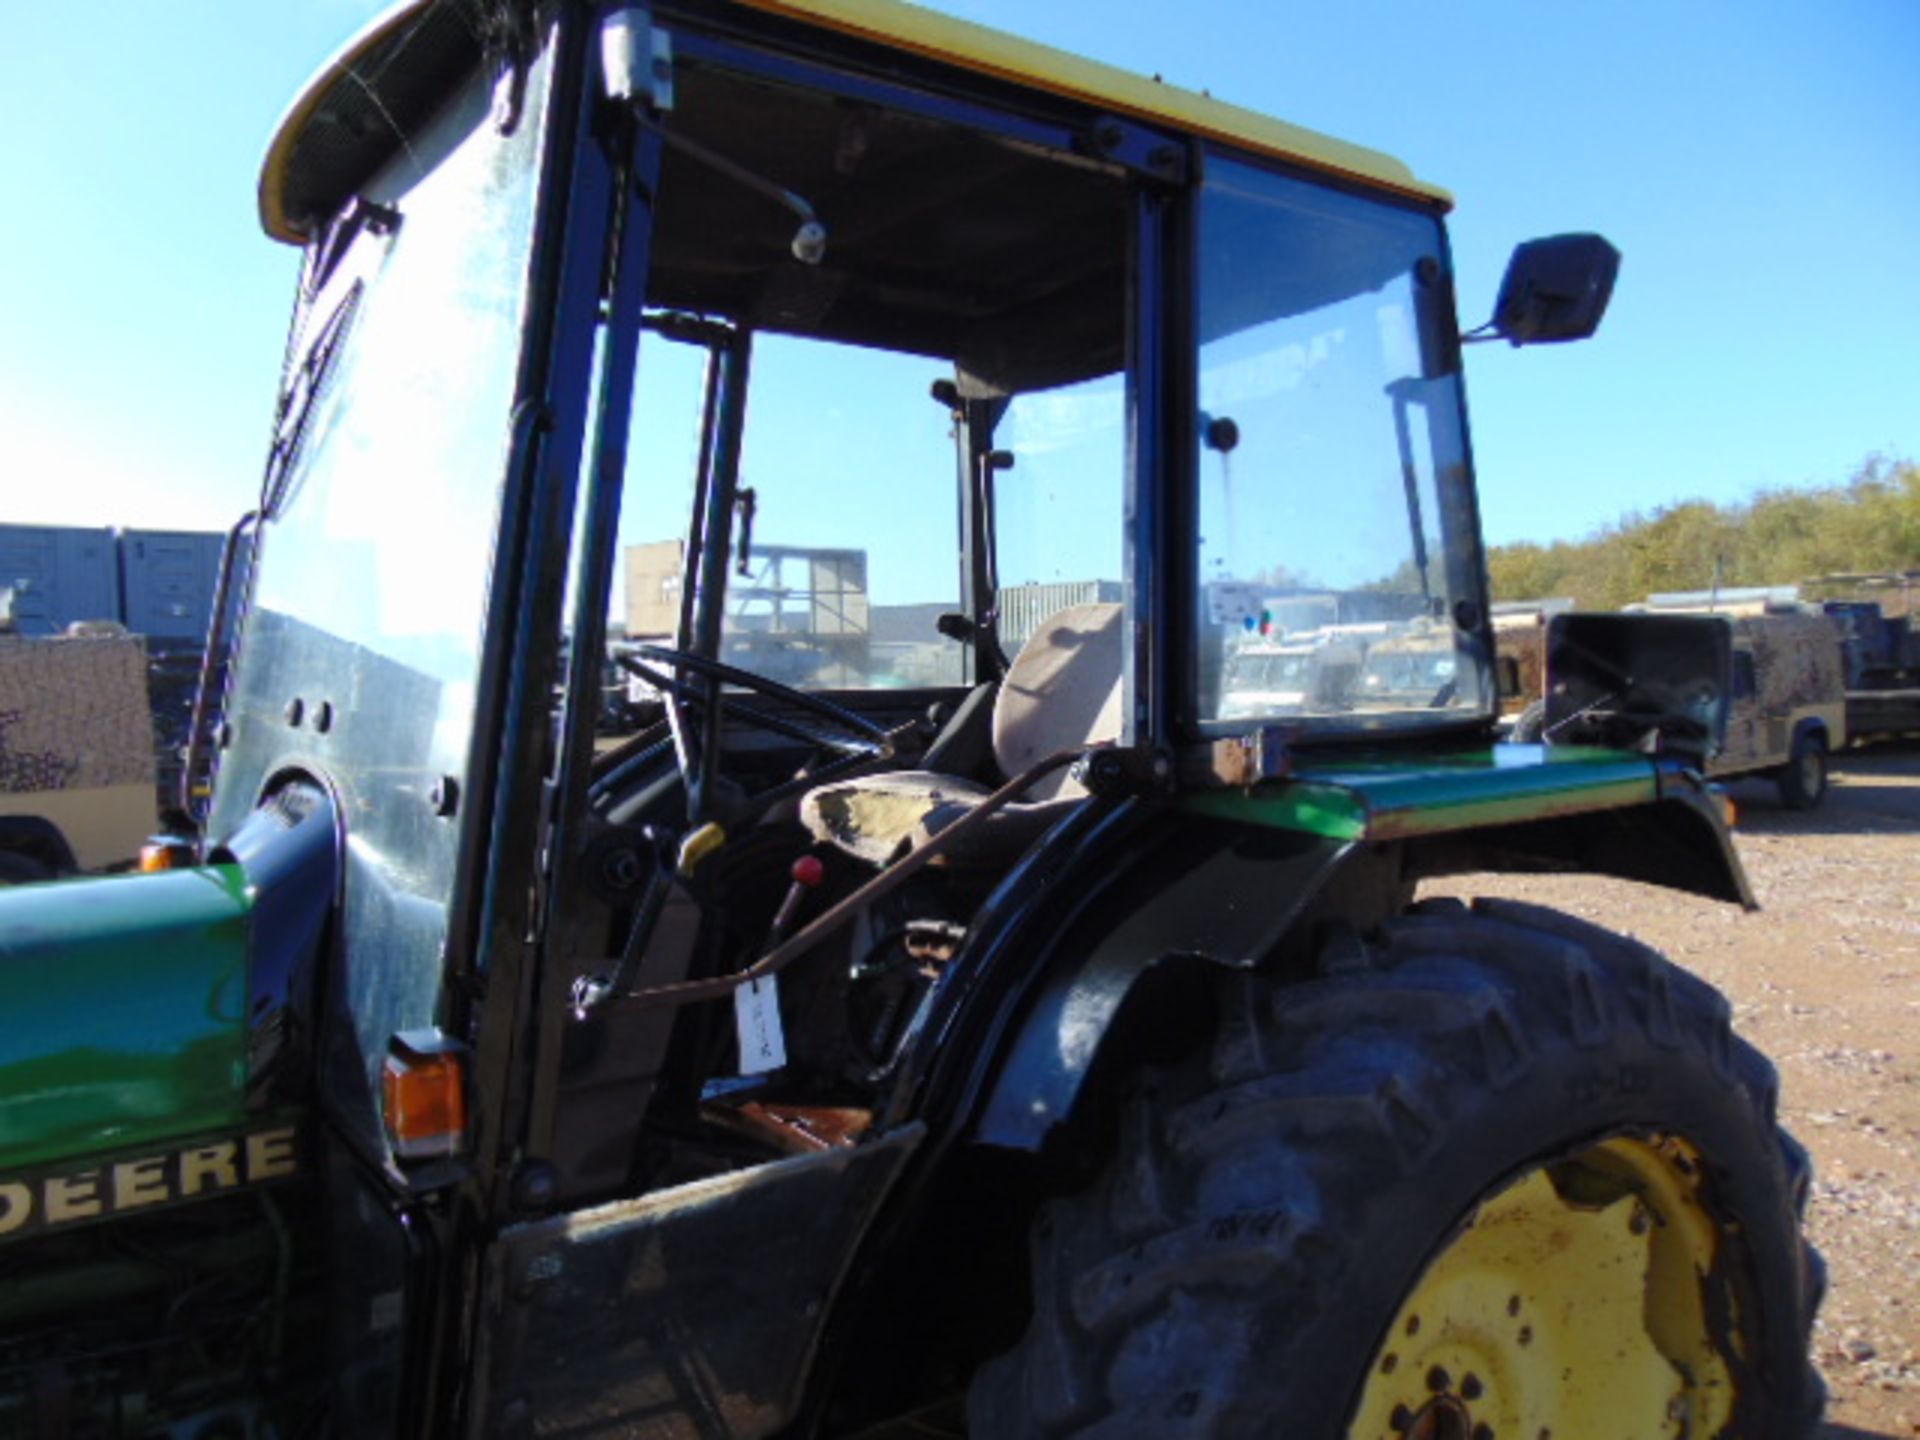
(1062, 690)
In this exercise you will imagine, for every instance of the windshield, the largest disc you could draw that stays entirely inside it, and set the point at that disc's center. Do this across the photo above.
(361, 650)
(1333, 483)
(1407, 674)
(1267, 672)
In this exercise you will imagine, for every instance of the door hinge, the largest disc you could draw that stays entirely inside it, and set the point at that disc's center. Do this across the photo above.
(636, 59)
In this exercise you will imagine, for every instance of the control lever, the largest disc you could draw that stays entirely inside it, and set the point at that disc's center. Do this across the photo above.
(592, 991)
(807, 873)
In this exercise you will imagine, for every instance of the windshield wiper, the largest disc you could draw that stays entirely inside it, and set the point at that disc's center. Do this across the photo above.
(301, 390)
(299, 399)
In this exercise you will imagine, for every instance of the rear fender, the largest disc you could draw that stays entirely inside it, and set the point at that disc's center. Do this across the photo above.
(1680, 841)
(1184, 895)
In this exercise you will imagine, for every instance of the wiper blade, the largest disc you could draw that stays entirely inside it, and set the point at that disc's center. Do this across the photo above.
(301, 389)
(299, 399)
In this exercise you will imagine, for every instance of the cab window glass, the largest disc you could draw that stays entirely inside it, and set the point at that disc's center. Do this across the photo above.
(1334, 516)
(1058, 502)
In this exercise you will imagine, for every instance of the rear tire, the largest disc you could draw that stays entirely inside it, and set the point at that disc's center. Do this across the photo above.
(1803, 779)
(1287, 1207)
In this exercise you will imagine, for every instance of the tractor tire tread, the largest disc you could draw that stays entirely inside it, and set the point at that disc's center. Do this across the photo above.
(1199, 1283)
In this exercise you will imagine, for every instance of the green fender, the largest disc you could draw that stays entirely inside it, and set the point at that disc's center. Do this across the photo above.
(1230, 898)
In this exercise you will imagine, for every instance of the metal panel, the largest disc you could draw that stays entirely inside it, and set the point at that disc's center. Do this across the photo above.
(58, 574)
(692, 1314)
(167, 579)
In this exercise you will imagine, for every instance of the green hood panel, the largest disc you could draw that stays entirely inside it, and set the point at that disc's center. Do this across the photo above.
(122, 1012)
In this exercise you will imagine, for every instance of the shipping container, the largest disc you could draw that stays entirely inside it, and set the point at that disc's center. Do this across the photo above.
(57, 574)
(167, 582)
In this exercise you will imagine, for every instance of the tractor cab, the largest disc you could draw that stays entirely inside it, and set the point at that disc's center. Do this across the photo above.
(836, 593)
(811, 457)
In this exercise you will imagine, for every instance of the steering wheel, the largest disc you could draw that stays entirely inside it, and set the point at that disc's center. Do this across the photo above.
(849, 734)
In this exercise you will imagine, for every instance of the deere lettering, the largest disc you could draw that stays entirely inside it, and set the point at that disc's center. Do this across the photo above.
(30, 1204)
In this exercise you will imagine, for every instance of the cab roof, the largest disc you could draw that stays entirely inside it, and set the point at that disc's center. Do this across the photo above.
(389, 75)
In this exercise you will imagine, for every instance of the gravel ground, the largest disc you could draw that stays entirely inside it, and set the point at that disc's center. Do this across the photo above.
(1826, 980)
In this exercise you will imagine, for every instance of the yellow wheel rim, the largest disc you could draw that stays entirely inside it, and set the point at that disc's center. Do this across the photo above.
(1571, 1304)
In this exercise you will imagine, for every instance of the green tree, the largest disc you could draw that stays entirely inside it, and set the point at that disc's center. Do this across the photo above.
(1869, 522)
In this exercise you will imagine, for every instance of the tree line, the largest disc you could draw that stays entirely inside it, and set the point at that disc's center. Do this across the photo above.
(1869, 522)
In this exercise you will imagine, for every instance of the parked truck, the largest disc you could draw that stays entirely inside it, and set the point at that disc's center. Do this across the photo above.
(1787, 708)
(1881, 653)
(1520, 644)
(157, 585)
(76, 754)
(1049, 1055)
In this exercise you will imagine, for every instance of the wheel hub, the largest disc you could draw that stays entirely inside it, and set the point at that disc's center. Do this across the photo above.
(1572, 1301)
(1441, 1418)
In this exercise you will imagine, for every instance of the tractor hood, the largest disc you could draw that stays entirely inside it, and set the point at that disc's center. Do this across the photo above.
(123, 1012)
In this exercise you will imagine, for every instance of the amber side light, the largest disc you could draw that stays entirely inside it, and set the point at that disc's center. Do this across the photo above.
(165, 852)
(424, 1089)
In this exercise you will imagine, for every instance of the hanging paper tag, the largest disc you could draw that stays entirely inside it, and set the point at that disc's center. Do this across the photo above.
(756, 1013)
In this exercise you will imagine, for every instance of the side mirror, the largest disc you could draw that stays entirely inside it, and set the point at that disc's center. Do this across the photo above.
(1555, 288)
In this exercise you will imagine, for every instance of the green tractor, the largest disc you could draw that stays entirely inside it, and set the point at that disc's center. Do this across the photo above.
(977, 1029)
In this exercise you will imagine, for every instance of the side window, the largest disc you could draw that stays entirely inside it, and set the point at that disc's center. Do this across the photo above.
(854, 539)
(1745, 686)
(1508, 670)
(1058, 520)
(820, 402)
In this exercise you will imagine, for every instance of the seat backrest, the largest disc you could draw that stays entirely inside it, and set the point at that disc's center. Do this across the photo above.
(1063, 689)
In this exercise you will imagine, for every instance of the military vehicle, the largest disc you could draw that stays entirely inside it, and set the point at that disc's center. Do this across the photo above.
(76, 753)
(1411, 666)
(1881, 653)
(1314, 670)
(1784, 688)
(1047, 1055)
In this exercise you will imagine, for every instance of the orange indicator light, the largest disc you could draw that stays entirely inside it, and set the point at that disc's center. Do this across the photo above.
(424, 1086)
(166, 852)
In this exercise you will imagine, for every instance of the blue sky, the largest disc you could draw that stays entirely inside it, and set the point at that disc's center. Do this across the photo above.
(1758, 164)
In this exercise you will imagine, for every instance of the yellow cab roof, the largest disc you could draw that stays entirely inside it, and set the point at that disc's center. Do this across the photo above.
(920, 31)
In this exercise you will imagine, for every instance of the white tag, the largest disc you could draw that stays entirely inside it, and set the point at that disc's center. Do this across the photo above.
(756, 1013)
